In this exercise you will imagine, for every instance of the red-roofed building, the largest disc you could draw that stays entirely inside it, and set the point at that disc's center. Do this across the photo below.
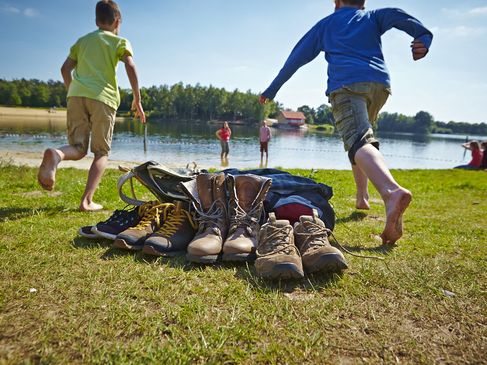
(288, 118)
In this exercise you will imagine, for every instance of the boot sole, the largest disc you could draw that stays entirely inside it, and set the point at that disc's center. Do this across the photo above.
(283, 271)
(120, 243)
(240, 257)
(87, 235)
(108, 236)
(210, 259)
(149, 250)
(332, 263)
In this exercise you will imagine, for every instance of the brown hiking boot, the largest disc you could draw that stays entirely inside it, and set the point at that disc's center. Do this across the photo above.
(245, 204)
(208, 195)
(277, 256)
(311, 237)
(173, 237)
(152, 215)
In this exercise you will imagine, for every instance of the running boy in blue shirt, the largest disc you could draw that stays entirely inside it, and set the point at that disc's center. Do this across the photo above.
(358, 87)
(93, 99)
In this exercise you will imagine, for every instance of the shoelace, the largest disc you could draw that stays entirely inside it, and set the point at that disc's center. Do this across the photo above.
(174, 220)
(278, 241)
(153, 214)
(315, 234)
(244, 219)
(319, 232)
(209, 218)
(119, 215)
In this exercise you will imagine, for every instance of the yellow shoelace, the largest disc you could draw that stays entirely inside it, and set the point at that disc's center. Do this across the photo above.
(173, 221)
(151, 213)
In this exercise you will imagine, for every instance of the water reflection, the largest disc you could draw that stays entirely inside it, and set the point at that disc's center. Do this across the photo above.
(180, 142)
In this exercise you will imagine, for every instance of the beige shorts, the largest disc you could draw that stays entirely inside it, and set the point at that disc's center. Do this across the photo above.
(355, 107)
(88, 116)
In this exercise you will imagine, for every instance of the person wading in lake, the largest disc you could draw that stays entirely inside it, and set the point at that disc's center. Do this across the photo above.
(264, 138)
(93, 99)
(358, 87)
(223, 134)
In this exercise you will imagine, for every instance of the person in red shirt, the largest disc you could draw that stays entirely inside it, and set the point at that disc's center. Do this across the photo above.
(477, 156)
(223, 134)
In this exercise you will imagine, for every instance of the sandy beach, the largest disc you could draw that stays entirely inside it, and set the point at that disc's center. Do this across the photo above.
(32, 112)
(34, 159)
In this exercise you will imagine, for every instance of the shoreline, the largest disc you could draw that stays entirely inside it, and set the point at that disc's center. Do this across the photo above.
(34, 159)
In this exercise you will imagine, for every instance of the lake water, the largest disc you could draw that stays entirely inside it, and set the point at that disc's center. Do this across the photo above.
(178, 143)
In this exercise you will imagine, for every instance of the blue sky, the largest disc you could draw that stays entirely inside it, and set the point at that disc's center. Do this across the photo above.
(243, 44)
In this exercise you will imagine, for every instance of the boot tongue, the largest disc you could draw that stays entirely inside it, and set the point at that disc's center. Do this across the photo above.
(205, 189)
(247, 188)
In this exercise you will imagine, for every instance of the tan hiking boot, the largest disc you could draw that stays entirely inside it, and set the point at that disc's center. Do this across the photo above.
(311, 237)
(152, 215)
(173, 237)
(277, 256)
(208, 195)
(245, 205)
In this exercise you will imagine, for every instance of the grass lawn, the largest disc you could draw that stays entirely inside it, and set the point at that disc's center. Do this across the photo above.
(67, 299)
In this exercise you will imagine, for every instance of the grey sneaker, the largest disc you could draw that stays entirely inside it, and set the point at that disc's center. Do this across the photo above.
(311, 236)
(277, 256)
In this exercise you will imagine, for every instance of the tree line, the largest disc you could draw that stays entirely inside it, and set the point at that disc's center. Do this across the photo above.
(187, 102)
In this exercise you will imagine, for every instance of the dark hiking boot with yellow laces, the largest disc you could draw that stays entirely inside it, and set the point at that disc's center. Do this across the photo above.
(173, 237)
(311, 237)
(152, 217)
(277, 256)
(208, 196)
(245, 205)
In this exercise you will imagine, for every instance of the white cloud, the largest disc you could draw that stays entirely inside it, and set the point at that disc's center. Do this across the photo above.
(30, 12)
(10, 9)
(6, 8)
(460, 31)
(456, 13)
(478, 11)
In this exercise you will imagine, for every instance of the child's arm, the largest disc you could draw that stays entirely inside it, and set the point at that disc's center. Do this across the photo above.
(66, 69)
(134, 83)
(399, 19)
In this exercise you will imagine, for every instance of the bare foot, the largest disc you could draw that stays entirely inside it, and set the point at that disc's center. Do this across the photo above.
(362, 203)
(90, 207)
(396, 204)
(47, 171)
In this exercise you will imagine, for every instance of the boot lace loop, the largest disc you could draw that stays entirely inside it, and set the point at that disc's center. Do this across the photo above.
(314, 235)
(174, 220)
(277, 241)
(241, 218)
(153, 214)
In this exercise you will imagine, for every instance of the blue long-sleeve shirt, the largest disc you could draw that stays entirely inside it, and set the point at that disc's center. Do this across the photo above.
(351, 40)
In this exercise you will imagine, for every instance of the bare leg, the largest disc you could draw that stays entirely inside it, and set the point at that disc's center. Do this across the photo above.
(395, 197)
(361, 182)
(46, 175)
(97, 169)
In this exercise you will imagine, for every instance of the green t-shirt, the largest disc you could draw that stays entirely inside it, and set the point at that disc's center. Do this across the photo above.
(97, 55)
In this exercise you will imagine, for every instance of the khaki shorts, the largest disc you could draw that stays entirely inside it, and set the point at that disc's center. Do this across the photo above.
(355, 107)
(88, 116)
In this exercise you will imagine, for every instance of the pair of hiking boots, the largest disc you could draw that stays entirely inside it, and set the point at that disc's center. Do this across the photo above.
(287, 252)
(164, 229)
(228, 211)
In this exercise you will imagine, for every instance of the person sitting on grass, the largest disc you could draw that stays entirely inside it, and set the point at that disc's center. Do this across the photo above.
(93, 99)
(477, 156)
(358, 87)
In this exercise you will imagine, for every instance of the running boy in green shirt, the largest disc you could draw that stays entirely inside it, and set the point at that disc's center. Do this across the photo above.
(93, 99)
